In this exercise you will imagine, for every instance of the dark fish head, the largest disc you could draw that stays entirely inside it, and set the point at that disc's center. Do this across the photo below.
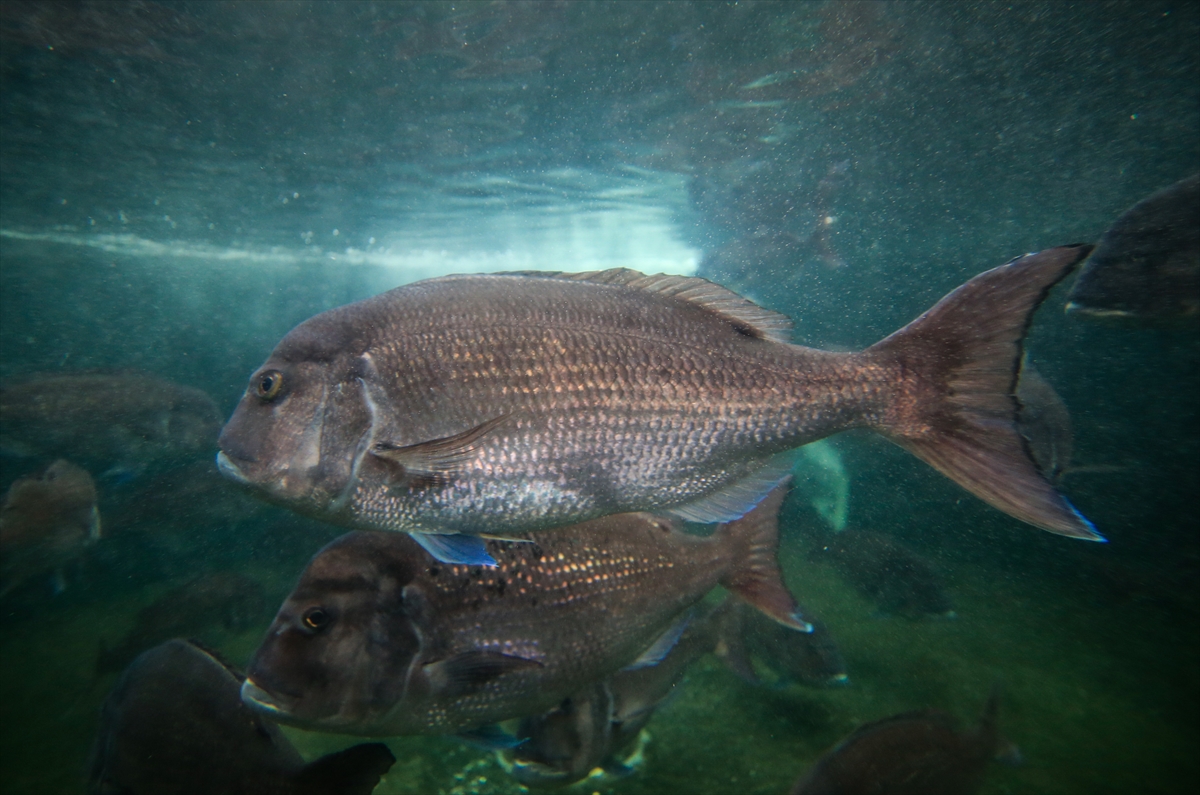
(343, 646)
(1146, 267)
(174, 723)
(304, 422)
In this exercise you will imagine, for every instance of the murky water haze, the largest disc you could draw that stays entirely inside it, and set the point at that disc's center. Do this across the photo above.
(181, 183)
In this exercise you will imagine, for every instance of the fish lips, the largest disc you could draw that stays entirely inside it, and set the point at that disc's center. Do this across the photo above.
(230, 470)
(276, 707)
(283, 708)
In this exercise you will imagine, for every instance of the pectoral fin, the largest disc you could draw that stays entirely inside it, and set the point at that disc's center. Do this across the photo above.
(455, 548)
(467, 672)
(661, 647)
(430, 463)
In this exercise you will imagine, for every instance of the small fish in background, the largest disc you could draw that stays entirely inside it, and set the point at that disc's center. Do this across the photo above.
(168, 498)
(821, 475)
(378, 638)
(1146, 267)
(509, 403)
(116, 424)
(1045, 423)
(226, 600)
(47, 521)
(593, 730)
(174, 724)
(883, 570)
(809, 658)
(913, 753)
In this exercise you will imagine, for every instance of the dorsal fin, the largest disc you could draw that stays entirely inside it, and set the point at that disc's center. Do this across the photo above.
(745, 315)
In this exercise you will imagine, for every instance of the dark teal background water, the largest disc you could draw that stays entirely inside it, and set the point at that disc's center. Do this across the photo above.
(172, 176)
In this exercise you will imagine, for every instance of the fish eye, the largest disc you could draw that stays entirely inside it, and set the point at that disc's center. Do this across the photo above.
(316, 618)
(268, 384)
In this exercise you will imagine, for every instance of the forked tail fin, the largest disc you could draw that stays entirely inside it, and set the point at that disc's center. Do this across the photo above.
(957, 407)
(754, 574)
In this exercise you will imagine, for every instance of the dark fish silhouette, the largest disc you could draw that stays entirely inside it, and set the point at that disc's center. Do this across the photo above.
(107, 421)
(174, 724)
(513, 402)
(1147, 266)
(886, 572)
(46, 522)
(223, 599)
(914, 753)
(595, 727)
(378, 638)
(810, 658)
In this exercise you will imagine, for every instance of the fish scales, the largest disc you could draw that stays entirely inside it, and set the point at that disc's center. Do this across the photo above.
(650, 410)
(519, 402)
(544, 590)
(408, 645)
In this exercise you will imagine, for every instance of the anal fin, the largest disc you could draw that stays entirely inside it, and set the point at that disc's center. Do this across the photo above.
(735, 500)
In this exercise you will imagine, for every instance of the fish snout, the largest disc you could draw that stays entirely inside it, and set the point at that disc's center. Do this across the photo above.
(229, 469)
(275, 705)
(285, 484)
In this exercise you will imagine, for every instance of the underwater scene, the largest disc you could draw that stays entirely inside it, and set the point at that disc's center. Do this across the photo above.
(599, 397)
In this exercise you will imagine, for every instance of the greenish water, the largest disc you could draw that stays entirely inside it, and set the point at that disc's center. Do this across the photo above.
(1099, 697)
(183, 183)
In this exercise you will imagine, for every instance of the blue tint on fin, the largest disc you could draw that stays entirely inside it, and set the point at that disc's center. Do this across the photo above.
(1091, 528)
(660, 648)
(490, 738)
(735, 500)
(455, 548)
(804, 627)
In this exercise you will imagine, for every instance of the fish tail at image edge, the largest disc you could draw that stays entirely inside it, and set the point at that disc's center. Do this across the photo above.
(957, 409)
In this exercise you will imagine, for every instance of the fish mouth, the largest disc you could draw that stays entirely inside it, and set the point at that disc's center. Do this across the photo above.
(255, 697)
(230, 469)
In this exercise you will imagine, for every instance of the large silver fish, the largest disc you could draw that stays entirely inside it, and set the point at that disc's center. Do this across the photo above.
(522, 401)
